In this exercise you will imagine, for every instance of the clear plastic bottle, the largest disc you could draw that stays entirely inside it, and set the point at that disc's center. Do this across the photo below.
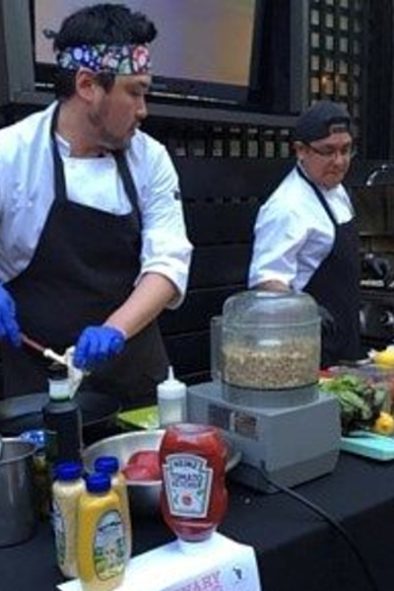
(110, 465)
(66, 490)
(101, 548)
(171, 400)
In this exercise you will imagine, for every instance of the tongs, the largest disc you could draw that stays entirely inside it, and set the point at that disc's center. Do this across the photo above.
(75, 375)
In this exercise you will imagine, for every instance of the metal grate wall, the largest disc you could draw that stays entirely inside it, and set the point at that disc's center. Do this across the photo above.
(337, 30)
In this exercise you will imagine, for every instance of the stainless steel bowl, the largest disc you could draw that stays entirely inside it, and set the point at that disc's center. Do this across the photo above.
(144, 495)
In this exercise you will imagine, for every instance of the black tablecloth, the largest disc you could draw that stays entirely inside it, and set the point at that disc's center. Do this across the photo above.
(296, 549)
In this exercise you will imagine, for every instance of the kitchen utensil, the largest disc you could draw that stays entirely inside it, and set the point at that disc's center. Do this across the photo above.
(75, 375)
(264, 392)
(370, 445)
(17, 503)
(144, 495)
(46, 351)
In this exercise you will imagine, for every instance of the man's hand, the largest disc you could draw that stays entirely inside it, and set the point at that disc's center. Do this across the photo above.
(97, 344)
(9, 328)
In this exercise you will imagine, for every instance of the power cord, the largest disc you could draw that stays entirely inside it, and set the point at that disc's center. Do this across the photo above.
(333, 522)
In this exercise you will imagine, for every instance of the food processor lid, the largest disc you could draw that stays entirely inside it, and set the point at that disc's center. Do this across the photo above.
(266, 308)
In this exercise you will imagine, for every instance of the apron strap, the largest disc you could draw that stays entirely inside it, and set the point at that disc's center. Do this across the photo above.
(128, 183)
(60, 179)
(319, 195)
(121, 163)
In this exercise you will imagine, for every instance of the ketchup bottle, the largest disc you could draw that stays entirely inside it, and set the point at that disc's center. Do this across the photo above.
(194, 496)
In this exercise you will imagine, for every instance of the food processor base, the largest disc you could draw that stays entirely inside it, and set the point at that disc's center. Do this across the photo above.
(288, 444)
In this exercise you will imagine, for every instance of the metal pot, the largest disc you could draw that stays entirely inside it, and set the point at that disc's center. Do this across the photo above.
(18, 516)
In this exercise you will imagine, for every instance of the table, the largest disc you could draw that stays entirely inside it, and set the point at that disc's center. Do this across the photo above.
(296, 549)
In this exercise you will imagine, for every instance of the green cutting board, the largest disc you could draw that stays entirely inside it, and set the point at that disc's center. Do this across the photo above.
(370, 445)
(139, 418)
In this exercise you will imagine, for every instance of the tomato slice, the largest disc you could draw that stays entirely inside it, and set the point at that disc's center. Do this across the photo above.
(143, 465)
(133, 472)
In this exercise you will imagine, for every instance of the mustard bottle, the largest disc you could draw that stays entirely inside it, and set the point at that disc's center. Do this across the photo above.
(66, 490)
(101, 548)
(110, 465)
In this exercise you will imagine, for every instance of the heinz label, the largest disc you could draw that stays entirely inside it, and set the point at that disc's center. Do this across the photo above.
(188, 482)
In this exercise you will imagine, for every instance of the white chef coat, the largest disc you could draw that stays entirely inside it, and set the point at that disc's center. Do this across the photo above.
(293, 234)
(27, 193)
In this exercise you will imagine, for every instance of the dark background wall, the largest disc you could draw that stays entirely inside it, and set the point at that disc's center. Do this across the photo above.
(378, 81)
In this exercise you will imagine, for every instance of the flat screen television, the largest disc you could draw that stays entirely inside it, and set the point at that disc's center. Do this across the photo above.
(206, 51)
(204, 48)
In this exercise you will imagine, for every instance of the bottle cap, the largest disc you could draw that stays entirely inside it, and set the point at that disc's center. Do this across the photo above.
(106, 464)
(171, 387)
(68, 471)
(98, 482)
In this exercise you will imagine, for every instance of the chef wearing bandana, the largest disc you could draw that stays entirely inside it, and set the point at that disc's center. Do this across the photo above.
(92, 236)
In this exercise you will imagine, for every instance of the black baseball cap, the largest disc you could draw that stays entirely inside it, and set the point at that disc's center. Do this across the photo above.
(321, 120)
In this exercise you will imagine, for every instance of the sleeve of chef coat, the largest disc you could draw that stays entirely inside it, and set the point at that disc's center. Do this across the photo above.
(279, 234)
(165, 247)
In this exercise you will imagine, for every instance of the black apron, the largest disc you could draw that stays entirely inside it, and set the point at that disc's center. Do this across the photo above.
(83, 269)
(335, 285)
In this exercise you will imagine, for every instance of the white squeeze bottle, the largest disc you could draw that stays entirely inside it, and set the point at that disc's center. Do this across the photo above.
(171, 400)
(66, 491)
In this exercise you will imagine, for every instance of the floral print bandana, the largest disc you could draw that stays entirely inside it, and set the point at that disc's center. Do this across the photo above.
(118, 59)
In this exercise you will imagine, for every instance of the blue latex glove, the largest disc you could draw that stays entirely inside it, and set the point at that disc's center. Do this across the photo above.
(9, 328)
(97, 344)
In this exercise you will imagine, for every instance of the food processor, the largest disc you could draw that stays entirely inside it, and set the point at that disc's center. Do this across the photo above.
(265, 356)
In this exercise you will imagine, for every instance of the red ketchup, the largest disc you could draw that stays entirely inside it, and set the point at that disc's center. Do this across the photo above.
(194, 496)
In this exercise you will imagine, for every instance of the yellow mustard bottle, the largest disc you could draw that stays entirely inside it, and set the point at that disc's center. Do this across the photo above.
(66, 490)
(101, 548)
(110, 465)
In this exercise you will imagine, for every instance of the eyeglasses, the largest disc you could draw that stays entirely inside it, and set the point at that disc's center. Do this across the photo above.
(331, 153)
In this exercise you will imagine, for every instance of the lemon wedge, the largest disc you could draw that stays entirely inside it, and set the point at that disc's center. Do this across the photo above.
(383, 358)
(384, 424)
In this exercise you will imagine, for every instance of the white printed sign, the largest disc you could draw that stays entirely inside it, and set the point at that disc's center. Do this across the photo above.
(218, 564)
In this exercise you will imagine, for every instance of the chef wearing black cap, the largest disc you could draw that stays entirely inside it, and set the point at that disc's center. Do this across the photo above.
(305, 234)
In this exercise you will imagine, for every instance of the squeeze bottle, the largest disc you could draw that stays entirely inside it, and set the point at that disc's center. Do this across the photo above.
(62, 423)
(101, 549)
(194, 495)
(171, 400)
(66, 490)
(110, 465)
